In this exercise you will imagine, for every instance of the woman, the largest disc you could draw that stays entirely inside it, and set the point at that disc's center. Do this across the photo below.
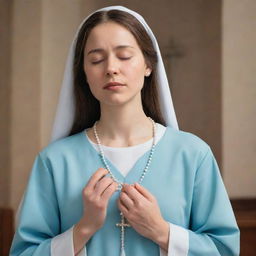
(172, 199)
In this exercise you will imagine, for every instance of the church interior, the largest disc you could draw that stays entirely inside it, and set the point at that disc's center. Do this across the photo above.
(209, 53)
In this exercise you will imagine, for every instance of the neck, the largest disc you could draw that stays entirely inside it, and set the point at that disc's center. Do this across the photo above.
(124, 125)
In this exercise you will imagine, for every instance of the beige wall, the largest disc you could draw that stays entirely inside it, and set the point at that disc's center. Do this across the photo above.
(25, 93)
(239, 97)
(41, 33)
(5, 38)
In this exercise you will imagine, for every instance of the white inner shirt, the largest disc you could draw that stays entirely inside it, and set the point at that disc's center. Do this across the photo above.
(124, 158)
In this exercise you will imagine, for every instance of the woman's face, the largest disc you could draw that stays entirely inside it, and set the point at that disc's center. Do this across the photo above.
(112, 54)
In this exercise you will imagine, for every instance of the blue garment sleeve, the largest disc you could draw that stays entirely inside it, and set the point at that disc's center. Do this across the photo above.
(39, 215)
(213, 229)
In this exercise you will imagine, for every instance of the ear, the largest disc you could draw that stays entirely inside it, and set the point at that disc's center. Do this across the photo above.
(148, 71)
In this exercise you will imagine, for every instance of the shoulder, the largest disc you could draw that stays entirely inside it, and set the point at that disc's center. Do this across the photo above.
(187, 142)
(63, 146)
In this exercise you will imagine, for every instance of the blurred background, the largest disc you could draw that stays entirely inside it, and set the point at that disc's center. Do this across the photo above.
(210, 58)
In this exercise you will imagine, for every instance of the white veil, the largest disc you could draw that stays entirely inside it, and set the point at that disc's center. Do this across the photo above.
(64, 117)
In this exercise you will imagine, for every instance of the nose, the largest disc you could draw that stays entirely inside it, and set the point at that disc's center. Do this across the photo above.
(112, 67)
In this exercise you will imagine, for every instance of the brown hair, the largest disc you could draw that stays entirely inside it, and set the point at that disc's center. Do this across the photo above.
(87, 107)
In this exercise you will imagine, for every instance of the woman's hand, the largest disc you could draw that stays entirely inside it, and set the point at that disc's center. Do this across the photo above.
(141, 210)
(96, 195)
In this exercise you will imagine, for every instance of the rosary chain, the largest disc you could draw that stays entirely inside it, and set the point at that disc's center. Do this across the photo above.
(120, 184)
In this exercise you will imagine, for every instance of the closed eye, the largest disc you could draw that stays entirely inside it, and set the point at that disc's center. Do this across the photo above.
(96, 62)
(121, 58)
(125, 58)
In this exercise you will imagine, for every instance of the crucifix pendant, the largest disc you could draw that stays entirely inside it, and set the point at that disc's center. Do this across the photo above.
(122, 225)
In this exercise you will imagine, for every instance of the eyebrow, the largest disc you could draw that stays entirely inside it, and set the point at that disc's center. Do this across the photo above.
(116, 48)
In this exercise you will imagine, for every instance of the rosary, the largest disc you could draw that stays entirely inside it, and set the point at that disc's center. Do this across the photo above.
(123, 223)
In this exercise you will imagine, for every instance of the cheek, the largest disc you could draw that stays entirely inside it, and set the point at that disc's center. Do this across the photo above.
(90, 74)
(92, 77)
(135, 73)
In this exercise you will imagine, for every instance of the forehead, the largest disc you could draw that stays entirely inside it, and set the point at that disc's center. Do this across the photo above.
(110, 34)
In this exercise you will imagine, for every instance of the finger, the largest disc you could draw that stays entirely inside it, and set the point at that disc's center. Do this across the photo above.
(102, 184)
(109, 191)
(133, 193)
(99, 174)
(143, 191)
(126, 200)
(122, 207)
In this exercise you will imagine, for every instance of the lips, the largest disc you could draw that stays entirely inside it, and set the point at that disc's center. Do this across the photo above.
(112, 84)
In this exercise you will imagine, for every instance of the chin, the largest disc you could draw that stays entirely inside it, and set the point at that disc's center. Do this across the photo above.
(118, 101)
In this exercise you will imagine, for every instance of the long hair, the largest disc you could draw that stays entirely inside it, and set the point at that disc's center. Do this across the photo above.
(87, 107)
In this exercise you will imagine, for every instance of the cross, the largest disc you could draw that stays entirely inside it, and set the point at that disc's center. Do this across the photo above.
(123, 224)
(173, 52)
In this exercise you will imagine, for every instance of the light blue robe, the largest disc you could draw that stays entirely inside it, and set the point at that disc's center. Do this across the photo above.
(183, 176)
